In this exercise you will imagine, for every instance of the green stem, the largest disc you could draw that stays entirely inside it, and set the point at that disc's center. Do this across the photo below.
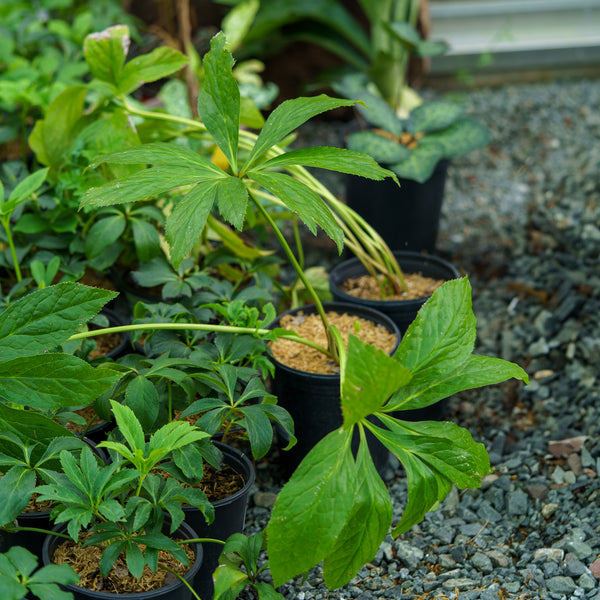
(196, 327)
(11, 244)
(332, 348)
(182, 579)
(12, 529)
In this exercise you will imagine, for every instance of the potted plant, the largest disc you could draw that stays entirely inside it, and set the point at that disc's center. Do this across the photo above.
(126, 512)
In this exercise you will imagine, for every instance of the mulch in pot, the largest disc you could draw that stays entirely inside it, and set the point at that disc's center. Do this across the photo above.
(369, 288)
(303, 358)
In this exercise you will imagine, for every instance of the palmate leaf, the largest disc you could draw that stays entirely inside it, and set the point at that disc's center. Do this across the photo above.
(357, 545)
(219, 99)
(52, 381)
(312, 508)
(30, 426)
(303, 201)
(42, 320)
(435, 455)
(287, 117)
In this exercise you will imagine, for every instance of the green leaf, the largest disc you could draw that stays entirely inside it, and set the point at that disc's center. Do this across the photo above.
(135, 559)
(475, 372)
(30, 426)
(428, 48)
(129, 426)
(159, 63)
(378, 112)
(62, 574)
(382, 149)
(51, 381)
(53, 136)
(462, 137)
(23, 190)
(238, 22)
(144, 184)
(189, 460)
(369, 378)
(50, 591)
(420, 164)
(44, 319)
(287, 117)
(301, 200)
(105, 53)
(259, 429)
(142, 398)
(146, 239)
(11, 588)
(404, 32)
(229, 582)
(335, 159)
(103, 233)
(435, 115)
(312, 508)
(267, 592)
(435, 455)
(442, 336)
(357, 545)
(232, 201)
(188, 219)
(16, 487)
(219, 99)
(110, 555)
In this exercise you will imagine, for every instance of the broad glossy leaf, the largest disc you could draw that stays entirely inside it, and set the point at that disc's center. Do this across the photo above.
(105, 53)
(378, 112)
(259, 430)
(287, 117)
(476, 371)
(369, 378)
(45, 318)
(23, 190)
(160, 62)
(435, 455)
(229, 582)
(335, 159)
(382, 149)
(301, 200)
(103, 233)
(142, 398)
(312, 508)
(63, 574)
(435, 115)
(219, 99)
(420, 164)
(442, 336)
(30, 426)
(372, 510)
(16, 487)
(52, 136)
(463, 137)
(142, 185)
(52, 381)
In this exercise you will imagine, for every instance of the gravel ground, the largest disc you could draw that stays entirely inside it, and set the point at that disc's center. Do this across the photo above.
(522, 218)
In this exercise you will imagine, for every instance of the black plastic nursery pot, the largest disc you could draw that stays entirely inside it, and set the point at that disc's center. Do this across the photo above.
(313, 399)
(230, 517)
(406, 217)
(173, 591)
(402, 312)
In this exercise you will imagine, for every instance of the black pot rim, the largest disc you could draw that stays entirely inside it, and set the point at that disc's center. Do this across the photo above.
(242, 458)
(153, 594)
(349, 307)
(399, 254)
